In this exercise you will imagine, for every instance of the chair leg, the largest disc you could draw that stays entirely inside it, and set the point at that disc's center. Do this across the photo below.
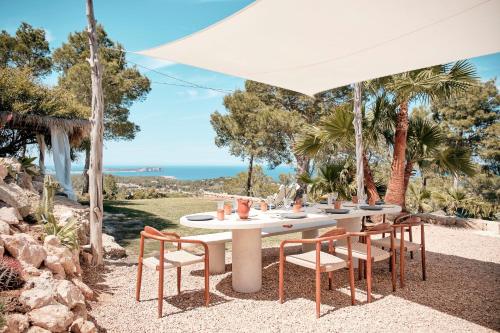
(369, 280)
(351, 283)
(364, 269)
(330, 276)
(207, 281)
(424, 275)
(160, 294)
(178, 280)
(318, 292)
(411, 240)
(139, 269)
(392, 268)
(281, 279)
(402, 267)
(360, 269)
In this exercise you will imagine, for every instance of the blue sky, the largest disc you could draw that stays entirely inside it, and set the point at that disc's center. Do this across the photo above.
(174, 121)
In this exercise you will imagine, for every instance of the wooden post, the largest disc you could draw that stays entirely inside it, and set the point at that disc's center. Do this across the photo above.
(358, 132)
(96, 138)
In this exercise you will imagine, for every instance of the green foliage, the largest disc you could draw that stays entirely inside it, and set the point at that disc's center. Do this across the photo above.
(2, 314)
(457, 201)
(419, 198)
(473, 120)
(110, 188)
(10, 277)
(334, 177)
(27, 49)
(27, 165)
(262, 185)
(67, 233)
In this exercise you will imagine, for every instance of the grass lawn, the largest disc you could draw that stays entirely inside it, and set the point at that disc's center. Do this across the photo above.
(125, 219)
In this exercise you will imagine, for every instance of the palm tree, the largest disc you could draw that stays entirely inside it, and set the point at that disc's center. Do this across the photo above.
(426, 84)
(419, 197)
(426, 148)
(334, 136)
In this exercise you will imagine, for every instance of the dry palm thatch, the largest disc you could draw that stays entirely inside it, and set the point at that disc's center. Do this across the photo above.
(77, 129)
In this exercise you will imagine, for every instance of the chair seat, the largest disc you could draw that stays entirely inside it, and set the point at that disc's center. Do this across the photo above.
(173, 259)
(359, 251)
(386, 244)
(328, 262)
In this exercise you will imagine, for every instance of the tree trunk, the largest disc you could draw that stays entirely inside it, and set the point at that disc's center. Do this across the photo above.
(249, 179)
(396, 188)
(41, 149)
(371, 188)
(303, 164)
(85, 175)
(408, 171)
(358, 132)
(96, 139)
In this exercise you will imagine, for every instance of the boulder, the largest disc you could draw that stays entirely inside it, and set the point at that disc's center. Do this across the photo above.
(52, 263)
(25, 181)
(80, 311)
(16, 323)
(4, 228)
(3, 171)
(37, 329)
(86, 291)
(64, 255)
(37, 186)
(2, 251)
(55, 318)
(13, 195)
(83, 326)
(36, 298)
(24, 248)
(68, 294)
(11, 163)
(112, 250)
(10, 215)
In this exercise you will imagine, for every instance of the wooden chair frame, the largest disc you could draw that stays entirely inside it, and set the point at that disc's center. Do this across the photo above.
(169, 237)
(365, 237)
(330, 236)
(406, 223)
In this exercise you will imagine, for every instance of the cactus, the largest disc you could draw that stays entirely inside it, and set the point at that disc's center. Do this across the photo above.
(10, 278)
(68, 233)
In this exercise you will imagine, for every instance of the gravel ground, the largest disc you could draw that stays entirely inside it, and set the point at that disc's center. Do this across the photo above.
(461, 294)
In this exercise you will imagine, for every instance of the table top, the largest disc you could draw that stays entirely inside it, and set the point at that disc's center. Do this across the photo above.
(272, 218)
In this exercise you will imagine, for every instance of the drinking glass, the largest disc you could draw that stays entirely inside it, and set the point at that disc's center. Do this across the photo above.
(329, 199)
(220, 210)
(335, 195)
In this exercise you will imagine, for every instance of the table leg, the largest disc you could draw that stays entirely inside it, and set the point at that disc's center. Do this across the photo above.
(217, 256)
(306, 235)
(352, 224)
(247, 260)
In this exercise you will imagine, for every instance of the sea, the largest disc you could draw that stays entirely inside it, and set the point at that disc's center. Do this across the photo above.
(182, 172)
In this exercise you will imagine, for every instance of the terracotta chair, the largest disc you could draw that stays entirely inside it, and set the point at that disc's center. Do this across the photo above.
(402, 224)
(173, 259)
(319, 261)
(364, 249)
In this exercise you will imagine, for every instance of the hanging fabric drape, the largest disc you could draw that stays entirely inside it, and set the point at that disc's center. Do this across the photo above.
(62, 160)
(41, 157)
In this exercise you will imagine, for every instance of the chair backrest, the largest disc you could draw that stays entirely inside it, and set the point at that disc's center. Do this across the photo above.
(379, 228)
(333, 232)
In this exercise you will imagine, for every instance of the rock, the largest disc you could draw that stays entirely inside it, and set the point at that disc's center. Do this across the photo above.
(10, 215)
(37, 329)
(16, 323)
(52, 263)
(112, 250)
(24, 248)
(3, 171)
(36, 298)
(86, 291)
(64, 255)
(87, 258)
(80, 311)
(44, 281)
(68, 294)
(55, 318)
(11, 163)
(4, 228)
(83, 326)
(37, 186)
(2, 251)
(25, 181)
(13, 195)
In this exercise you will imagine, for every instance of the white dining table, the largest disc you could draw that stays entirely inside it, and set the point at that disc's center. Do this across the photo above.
(247, 241)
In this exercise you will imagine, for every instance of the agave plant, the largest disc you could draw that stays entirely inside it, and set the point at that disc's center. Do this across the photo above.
(28, 166)
(67, 233)
(419, 198)
(454, 201)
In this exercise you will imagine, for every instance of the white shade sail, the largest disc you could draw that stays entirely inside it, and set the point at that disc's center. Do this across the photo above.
(313, 45)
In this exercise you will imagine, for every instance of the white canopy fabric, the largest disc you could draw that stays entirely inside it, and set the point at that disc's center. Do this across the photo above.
(310, 46)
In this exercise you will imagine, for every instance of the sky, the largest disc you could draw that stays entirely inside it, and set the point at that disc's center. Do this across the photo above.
(174, 121)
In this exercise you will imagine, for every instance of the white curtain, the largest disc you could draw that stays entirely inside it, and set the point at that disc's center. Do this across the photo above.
(62, 160)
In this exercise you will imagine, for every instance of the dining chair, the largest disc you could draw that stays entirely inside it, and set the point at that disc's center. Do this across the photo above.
(402, 224)
(173, 259)
(319, 261)
(367, 254)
